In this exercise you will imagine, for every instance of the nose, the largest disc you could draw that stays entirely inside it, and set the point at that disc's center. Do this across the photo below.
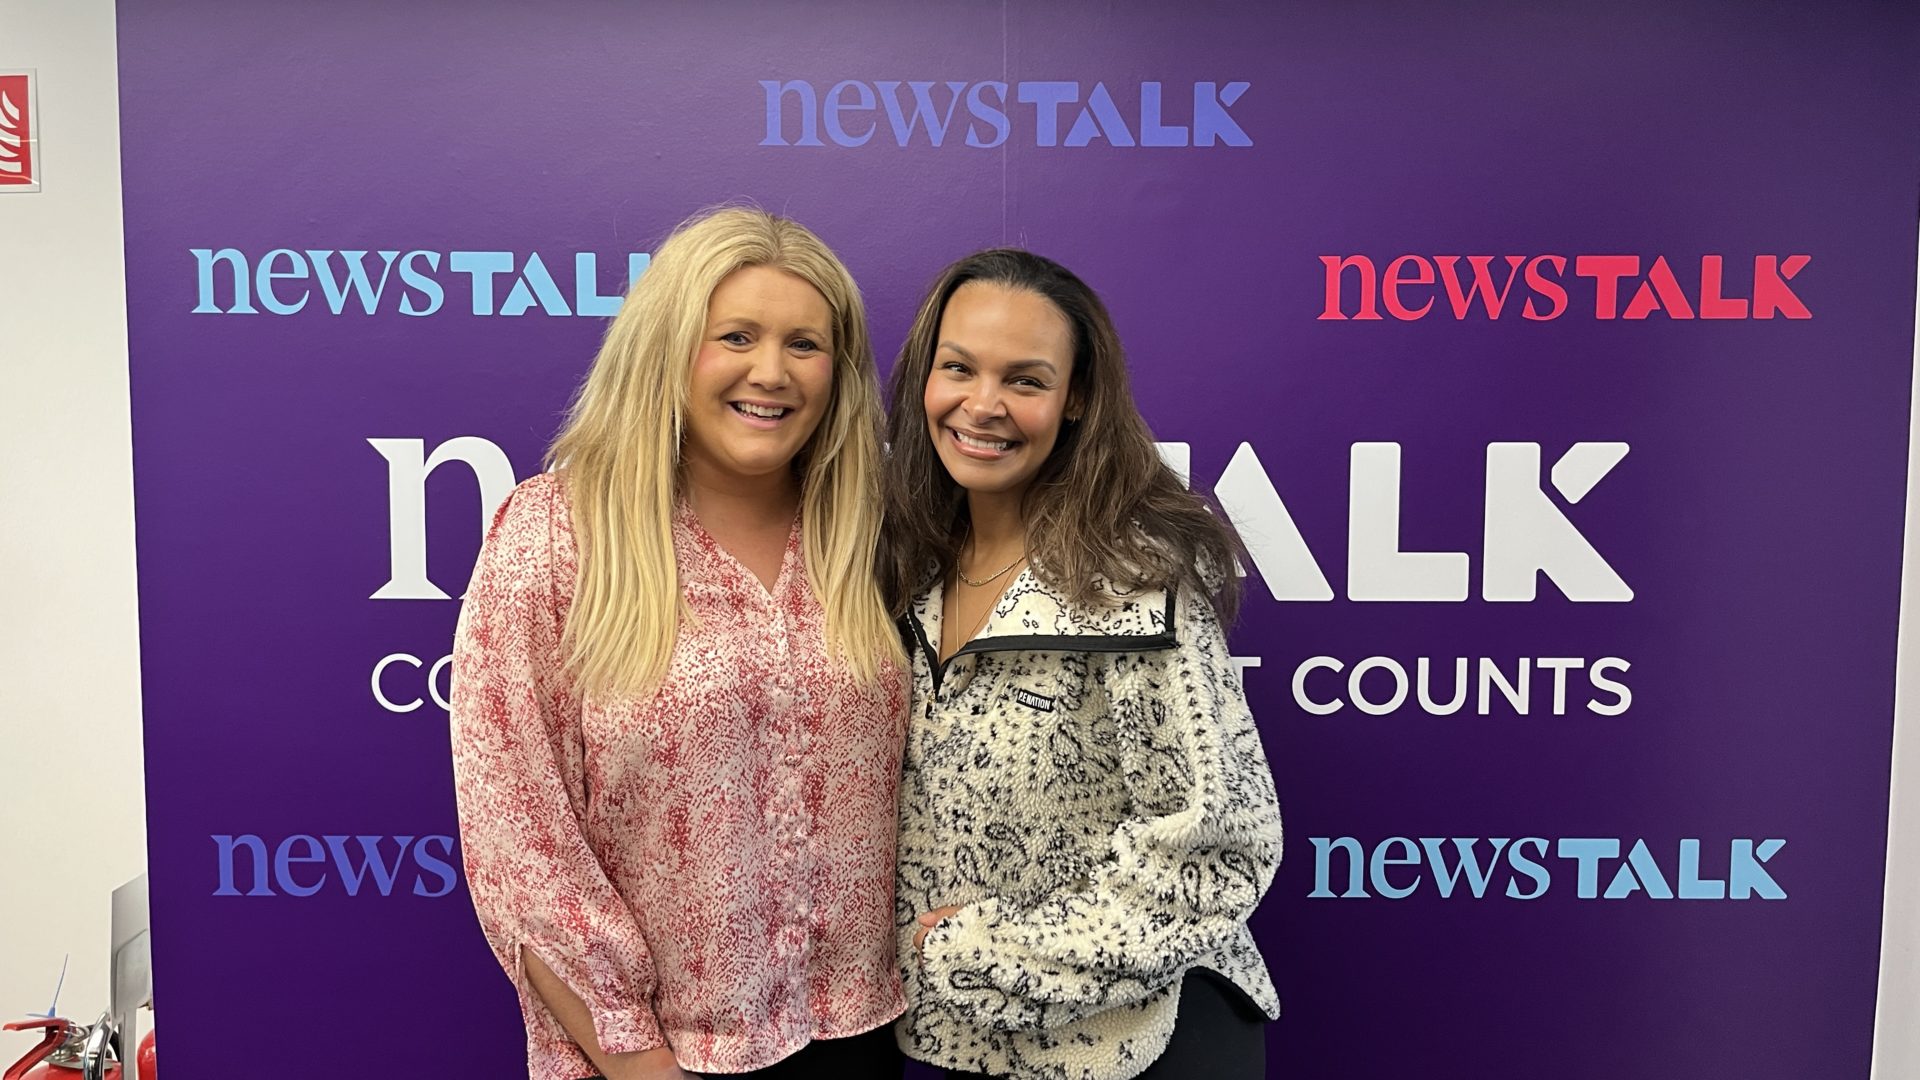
(768, 368)
(983, 402)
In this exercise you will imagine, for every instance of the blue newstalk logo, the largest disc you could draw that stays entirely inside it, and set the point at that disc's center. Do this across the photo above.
(1470, 867)
(287, 281)
(989, 114)
(304, 865)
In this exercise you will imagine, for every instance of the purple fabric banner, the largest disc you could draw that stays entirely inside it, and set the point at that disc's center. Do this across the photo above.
(1556, 365)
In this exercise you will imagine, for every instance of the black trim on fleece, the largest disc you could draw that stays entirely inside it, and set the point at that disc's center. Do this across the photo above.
(1110, 643)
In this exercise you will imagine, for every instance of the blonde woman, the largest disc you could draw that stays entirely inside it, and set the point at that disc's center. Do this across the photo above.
(678, 700)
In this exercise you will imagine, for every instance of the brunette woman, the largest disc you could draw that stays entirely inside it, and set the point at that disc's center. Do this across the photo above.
(678, 699)
(1086, 818)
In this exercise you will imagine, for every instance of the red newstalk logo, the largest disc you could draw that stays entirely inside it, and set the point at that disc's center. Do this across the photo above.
(18, 138)
(1412, 287)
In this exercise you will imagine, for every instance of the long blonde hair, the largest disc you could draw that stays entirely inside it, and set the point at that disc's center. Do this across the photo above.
(619, 454)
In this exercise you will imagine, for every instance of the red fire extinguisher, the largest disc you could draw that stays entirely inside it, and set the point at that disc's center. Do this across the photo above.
(73, 1051)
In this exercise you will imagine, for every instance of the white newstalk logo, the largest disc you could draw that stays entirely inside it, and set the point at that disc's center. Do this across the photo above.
(9, 135)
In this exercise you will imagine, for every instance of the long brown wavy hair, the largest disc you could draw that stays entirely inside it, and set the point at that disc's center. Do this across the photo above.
(1103, 505)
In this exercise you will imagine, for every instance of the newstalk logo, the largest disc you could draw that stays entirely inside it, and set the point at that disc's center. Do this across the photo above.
(19, 132)
(984, 115)
(1523, 869)
(1539, 287)
(417, 283)
(305, 865)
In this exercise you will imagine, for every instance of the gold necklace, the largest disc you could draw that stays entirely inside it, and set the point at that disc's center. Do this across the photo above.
(988, 580)
(979, 623)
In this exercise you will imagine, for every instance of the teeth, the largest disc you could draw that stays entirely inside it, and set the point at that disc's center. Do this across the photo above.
(761, 411)
(981, 444)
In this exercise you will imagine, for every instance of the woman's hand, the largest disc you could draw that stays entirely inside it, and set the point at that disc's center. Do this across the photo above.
(566, 1006)
(927, 922)
(655, 1064)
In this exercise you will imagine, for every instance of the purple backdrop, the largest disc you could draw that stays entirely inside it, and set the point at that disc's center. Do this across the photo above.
(1756, 517)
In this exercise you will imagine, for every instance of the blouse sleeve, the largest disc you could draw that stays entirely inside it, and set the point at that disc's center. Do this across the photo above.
(1186, 870)
(519, 775)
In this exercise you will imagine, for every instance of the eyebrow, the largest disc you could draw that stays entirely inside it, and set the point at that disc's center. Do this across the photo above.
(754, 324)
(1017, 365)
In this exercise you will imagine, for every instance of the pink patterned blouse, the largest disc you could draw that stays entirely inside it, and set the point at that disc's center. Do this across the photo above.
(710, 866)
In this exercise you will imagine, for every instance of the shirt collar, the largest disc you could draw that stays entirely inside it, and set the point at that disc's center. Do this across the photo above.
(1032, 615)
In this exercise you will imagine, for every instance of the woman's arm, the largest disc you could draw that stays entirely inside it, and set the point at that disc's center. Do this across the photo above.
(1185, 871)
(519, 774)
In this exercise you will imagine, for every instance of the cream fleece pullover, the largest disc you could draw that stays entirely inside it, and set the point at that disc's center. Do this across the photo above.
(1089, 786)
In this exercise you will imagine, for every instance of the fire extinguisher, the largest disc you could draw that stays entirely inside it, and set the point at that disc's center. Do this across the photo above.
(73, 1051)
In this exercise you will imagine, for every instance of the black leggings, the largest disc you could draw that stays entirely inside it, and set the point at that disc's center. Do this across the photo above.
(1219, 1035)
(870, 1055)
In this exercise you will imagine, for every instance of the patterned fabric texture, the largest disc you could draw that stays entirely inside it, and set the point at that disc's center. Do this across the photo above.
(711, 866)
(1089, 786)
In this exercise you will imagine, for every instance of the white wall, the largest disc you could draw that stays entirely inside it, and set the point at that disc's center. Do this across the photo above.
(72, 823)
(1896, 1030)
